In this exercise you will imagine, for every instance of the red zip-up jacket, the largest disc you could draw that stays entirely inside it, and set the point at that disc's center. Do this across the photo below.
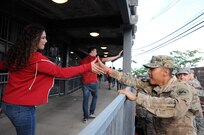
(31, 85)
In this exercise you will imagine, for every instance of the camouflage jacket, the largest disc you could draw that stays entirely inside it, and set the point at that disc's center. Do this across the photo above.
(172, 104)
(195, 83)
(195, 105)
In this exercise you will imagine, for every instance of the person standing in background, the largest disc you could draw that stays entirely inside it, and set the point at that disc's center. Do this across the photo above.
(184, 75)
(193, 80)
(110, 81)
(99, 80)
(113, 79)
(119, 85)
(31, 77)
(196, 84)
(90, 84)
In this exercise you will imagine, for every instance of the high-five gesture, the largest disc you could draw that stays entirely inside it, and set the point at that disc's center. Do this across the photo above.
(104, 67)
(96, 69)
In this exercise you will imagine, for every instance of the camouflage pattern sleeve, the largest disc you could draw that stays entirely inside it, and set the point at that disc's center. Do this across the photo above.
(166, 107)
(160, 107)
(129, 80)
(195, 105)
(195, 83)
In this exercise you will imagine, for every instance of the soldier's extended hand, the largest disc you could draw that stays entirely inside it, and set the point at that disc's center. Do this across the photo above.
(122, 91)
(128, 93)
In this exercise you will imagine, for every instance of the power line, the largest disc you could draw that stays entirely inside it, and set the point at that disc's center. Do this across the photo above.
(169, 6)
(197, 17)
(172, 40)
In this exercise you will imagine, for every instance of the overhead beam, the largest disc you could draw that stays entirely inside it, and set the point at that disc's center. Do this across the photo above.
(128, 11)
(91, 41)
(110, 21)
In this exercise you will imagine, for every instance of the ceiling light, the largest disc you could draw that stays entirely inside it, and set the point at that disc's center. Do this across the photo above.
(72, 52)
(105, 52)
(60, 1)
(94, 34)
(103, 47)
(105, 55)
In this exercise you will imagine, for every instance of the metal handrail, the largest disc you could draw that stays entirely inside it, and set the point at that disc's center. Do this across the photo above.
(117, 118)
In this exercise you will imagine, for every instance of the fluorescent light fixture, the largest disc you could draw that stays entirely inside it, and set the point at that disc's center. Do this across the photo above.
(60, 1)
(103, 47)
(94, 34)
(105, 52)
(105, 55)
(71, 52)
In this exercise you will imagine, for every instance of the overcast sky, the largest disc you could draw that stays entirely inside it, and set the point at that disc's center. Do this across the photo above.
(165, 19)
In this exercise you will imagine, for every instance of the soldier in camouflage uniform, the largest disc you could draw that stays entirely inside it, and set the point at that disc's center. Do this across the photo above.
(193, 81)
(167, 98)
(184, 74)
(196, 84)
(144, 121)
(144, 118)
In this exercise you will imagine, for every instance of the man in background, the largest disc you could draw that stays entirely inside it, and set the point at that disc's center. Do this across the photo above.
(193, 80)
(90, 84)
(184, 74)
(119, 85)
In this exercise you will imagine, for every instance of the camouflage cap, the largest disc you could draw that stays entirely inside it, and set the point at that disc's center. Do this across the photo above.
(184, 70)
(160, 61)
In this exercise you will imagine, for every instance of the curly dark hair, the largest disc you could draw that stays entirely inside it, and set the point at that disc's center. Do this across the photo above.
(19, 55)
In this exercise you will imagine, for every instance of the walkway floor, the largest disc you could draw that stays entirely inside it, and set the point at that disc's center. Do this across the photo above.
(63, 114)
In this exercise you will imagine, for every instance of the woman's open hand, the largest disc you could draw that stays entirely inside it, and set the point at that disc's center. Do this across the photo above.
(95, 68)
(104, 67)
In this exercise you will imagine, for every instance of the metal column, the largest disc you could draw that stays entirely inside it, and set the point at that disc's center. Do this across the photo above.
(127, 50)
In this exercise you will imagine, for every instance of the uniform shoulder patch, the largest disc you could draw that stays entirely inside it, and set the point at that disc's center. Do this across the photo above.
(182, 91)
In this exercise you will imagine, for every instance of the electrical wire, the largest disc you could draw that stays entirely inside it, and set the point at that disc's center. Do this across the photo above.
(175, 38)
(171, 40)
(192, 20)
(169, 6)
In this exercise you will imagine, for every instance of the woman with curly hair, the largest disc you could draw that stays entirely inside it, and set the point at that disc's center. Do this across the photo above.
(31, 77)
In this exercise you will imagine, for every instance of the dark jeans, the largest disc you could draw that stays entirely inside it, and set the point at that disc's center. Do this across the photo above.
(119, 85)
(22, 117)
(87, 89)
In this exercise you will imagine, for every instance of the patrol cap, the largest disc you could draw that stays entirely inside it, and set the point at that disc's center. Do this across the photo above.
(160, 61)
(184, 70)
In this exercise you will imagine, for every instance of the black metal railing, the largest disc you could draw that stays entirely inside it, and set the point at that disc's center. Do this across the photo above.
(61, 86)
(3, 82)
(66, 86)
